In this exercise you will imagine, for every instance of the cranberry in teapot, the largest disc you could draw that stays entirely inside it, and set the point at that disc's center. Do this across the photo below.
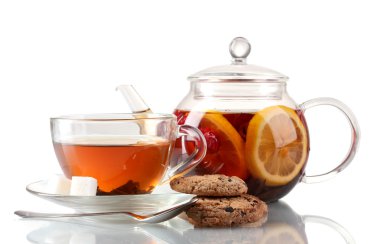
(253, 128)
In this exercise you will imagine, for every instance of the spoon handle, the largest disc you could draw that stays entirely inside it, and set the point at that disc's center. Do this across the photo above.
(29, 214)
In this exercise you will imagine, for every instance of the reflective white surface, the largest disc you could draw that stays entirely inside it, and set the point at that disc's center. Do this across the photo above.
(284, 225)
(320, 213)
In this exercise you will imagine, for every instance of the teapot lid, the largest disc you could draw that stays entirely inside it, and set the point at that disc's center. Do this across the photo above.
(239, 70)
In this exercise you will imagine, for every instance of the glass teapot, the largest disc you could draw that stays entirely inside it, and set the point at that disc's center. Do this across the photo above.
(253, 128)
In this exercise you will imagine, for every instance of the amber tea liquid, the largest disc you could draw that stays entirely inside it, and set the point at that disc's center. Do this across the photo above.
(121, 166)
(215, 162)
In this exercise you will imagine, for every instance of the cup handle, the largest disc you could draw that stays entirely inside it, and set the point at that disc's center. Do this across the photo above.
(355, 135)
(195, 157)
(330, 223)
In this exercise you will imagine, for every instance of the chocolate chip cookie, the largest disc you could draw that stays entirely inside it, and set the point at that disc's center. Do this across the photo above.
(210, 185)
(227, 211)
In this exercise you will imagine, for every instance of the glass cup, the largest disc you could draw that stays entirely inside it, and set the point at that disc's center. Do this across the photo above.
(126, 153)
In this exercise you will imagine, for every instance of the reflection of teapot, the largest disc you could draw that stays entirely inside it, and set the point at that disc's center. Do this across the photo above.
(282, 220)
(253, 128)
(283, 226)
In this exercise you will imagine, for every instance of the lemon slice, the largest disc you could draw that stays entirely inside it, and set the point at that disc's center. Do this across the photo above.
(229, 158)
(276, 146)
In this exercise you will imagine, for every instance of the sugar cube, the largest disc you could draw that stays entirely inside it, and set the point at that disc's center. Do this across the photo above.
(83, 186)
(58, 184)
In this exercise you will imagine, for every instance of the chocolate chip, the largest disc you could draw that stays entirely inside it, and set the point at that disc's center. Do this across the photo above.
(229, 180)
(229, 209)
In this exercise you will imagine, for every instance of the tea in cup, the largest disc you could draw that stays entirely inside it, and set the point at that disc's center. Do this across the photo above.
(126, 153)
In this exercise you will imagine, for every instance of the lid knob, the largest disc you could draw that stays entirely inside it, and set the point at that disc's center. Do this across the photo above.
(239, 50)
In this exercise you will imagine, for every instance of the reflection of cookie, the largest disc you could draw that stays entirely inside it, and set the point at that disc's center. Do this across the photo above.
(227, 211)
(240, 234)
(210, 185)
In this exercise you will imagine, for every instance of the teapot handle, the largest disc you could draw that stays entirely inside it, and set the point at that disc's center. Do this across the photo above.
(355, 135)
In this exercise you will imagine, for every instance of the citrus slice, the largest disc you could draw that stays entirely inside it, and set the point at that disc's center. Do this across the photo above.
(226, 154)
(276, 146)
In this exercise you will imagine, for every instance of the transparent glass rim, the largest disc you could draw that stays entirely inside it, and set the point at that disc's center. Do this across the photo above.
(114, 117)
(236, 80)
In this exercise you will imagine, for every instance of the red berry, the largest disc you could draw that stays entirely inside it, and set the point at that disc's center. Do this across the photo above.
(211, 139)
(181, 117)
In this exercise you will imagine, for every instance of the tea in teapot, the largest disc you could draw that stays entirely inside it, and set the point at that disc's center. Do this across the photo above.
(253, 128)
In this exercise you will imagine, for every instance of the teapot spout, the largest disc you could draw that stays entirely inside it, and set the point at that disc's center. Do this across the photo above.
(134, 100)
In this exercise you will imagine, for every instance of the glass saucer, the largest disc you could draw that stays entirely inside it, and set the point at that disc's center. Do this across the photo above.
(141, 204)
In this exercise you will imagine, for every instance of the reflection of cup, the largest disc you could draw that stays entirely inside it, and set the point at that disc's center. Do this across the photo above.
(73, 231)
(126, 153)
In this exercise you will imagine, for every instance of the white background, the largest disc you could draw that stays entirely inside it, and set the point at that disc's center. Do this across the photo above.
(59, 57)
